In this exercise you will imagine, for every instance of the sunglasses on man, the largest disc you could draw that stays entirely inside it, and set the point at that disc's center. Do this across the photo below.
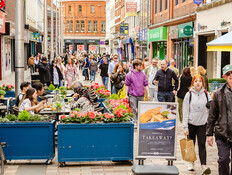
(228, 73)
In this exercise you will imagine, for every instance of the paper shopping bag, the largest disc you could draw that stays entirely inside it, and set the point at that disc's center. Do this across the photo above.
(188, 150)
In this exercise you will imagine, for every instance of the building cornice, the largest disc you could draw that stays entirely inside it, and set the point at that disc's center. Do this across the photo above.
(212, 4)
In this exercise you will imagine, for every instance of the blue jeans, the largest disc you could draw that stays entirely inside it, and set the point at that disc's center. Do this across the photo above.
(105, 81)
(92, 75)
(165, 96)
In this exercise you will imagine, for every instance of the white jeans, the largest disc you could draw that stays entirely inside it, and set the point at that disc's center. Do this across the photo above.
(153, 94)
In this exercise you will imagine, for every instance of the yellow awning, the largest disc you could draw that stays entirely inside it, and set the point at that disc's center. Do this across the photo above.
(219, 48)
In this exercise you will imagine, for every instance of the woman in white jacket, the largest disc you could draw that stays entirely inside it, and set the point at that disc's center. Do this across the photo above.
(195, 115)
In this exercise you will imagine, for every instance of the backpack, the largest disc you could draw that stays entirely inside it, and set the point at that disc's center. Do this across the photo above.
(206, 94)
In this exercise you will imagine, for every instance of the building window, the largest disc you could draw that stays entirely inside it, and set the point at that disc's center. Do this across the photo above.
(155, 6)
(71, 26)
(177, 2)
(67, 30)
(69, 9)
(166, 5)
(77, 26)
(80, 8)
(161, 5)
(82, 26)
(103, 26)
(95, 26)
(92, 9)
(89, 26)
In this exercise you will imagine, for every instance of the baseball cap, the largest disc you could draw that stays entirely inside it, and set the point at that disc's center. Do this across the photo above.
(226, 69)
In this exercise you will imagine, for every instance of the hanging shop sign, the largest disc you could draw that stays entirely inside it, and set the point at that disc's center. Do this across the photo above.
(2, 22)
(185, 30)
(131, 9)
(158, 34)
(106, 42)
(80, 47)
(143, 35)
(174, 32)
(191, 42)
(102, 42)
(198, 2)
(124, 29)
(157, 130)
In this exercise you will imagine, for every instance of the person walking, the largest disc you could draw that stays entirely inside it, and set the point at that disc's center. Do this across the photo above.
(185, 83)
(172, 67)
(36, 63)
(71, 72)
(118, 77)
(164, 76)
(146, 63)
(104, 72)
(86, 67)
(44, 72)
(61, 66)
(110, 70)
(135, 83)
(93, 69)
(195, 114)
(219, 123)
(201, 71)
(57, 76)
(150, 72)
(31, 63)
(125, 67)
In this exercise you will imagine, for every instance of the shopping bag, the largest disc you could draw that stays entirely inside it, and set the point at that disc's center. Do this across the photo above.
(188, 150)
(121, 93)
(145, 96)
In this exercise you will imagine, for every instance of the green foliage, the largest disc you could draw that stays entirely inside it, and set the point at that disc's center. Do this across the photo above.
(58, 105)
(24, 116)
(51, 87)
(77, 109)
(39, 118)
(63, 88)
(114, 96)
(11, 117)
(57, 90)
(4, 120)
(2, 92)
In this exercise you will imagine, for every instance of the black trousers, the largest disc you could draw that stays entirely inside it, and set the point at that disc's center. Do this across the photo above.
(199, 131)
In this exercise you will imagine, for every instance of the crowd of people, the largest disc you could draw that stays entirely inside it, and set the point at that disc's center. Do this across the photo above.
(154, 80)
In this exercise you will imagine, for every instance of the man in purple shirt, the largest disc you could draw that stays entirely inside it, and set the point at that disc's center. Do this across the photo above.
(135, 82)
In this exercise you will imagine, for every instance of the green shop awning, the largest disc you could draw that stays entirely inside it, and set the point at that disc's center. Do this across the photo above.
(158, 34)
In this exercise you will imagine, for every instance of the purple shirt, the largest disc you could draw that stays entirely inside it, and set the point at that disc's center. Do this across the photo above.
(136, 81)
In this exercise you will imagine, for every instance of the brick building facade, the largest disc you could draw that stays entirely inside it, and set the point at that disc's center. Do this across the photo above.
(85, 25)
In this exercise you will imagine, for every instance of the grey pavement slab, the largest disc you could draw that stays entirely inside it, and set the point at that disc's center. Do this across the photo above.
(31, 169)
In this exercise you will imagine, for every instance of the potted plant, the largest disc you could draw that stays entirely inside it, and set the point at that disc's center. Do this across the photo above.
(35, 132)
(51, 87)
(99, 137)
(58, 106)
(2, 93)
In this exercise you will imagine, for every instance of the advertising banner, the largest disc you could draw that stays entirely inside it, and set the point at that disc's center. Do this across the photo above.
(92, 48)
(2, 22)
(124, 29)
(70, 47)
(131, 9)
(158, 34)
(157, 129)
(80, 47)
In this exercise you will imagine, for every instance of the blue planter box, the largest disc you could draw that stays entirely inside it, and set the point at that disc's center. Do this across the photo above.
(100, 100)
(28, 140)
(95, 142)
(10, 94)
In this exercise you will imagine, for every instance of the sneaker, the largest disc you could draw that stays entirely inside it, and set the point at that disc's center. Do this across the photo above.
(205, 170)
(191, 166)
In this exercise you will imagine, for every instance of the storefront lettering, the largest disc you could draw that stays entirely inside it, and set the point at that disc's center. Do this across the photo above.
(157, 137)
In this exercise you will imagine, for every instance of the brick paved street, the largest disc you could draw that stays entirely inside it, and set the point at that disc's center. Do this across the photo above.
(101, 168)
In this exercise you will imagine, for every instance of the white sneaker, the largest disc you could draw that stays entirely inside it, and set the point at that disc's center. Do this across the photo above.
(191, 166)
(205, 170)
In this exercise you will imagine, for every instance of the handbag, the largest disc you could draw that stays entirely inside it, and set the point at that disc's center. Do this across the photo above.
(188, 150)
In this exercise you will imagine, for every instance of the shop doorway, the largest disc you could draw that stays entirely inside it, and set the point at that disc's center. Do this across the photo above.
(178, 54)
(225, 60)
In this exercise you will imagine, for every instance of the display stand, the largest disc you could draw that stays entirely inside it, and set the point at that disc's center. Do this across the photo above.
(156, 138)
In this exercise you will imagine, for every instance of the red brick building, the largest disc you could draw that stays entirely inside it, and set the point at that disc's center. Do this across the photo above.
(85, 25)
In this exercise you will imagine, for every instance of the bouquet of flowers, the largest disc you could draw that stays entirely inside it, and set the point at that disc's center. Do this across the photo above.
(102, 93)
(7, 87)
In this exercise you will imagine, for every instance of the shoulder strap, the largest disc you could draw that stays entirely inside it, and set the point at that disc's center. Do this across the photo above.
(190, 97)
(206, 94)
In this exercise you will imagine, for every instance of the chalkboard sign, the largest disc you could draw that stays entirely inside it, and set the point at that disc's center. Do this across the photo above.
(157, 129)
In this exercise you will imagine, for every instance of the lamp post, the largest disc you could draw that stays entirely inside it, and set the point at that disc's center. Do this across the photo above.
(45, 29)
(19, 45)
(52, 33)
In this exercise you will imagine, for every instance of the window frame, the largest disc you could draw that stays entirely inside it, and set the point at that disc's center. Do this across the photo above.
(69, 9)
(90, 24)
(77, 26)
(71, 26)
(80, 7)
(161, 5)
(156, 8)
(103, 23)
(83, 26)
(67, 28)
(95, 27)
(92, 10)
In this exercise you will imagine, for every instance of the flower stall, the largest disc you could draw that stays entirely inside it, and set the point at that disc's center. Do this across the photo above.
(94, 136)
(28, 137)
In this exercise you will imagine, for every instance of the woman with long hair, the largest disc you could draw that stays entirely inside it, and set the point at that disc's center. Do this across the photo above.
(57, 76)
(61, 66)
(118, 77)
(195, 115)
(29, 100)
(185, 83)
(71, 72)
(201, 71)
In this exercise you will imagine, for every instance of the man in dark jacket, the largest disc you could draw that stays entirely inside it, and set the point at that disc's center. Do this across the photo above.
(44, 72)
(220, 122)
(164, 76)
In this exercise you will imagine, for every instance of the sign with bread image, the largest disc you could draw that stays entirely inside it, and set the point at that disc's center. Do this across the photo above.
(157, 129)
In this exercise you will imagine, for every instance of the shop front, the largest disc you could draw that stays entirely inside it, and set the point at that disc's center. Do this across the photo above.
(143, 43)
(2, 31)
(128, 49)
(183, 44)
(158, 42)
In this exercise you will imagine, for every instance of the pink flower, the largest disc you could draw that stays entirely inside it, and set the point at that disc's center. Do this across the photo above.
(3, 85)
(72, 115)
(63, 117)
(75, 112)
(9, 86)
